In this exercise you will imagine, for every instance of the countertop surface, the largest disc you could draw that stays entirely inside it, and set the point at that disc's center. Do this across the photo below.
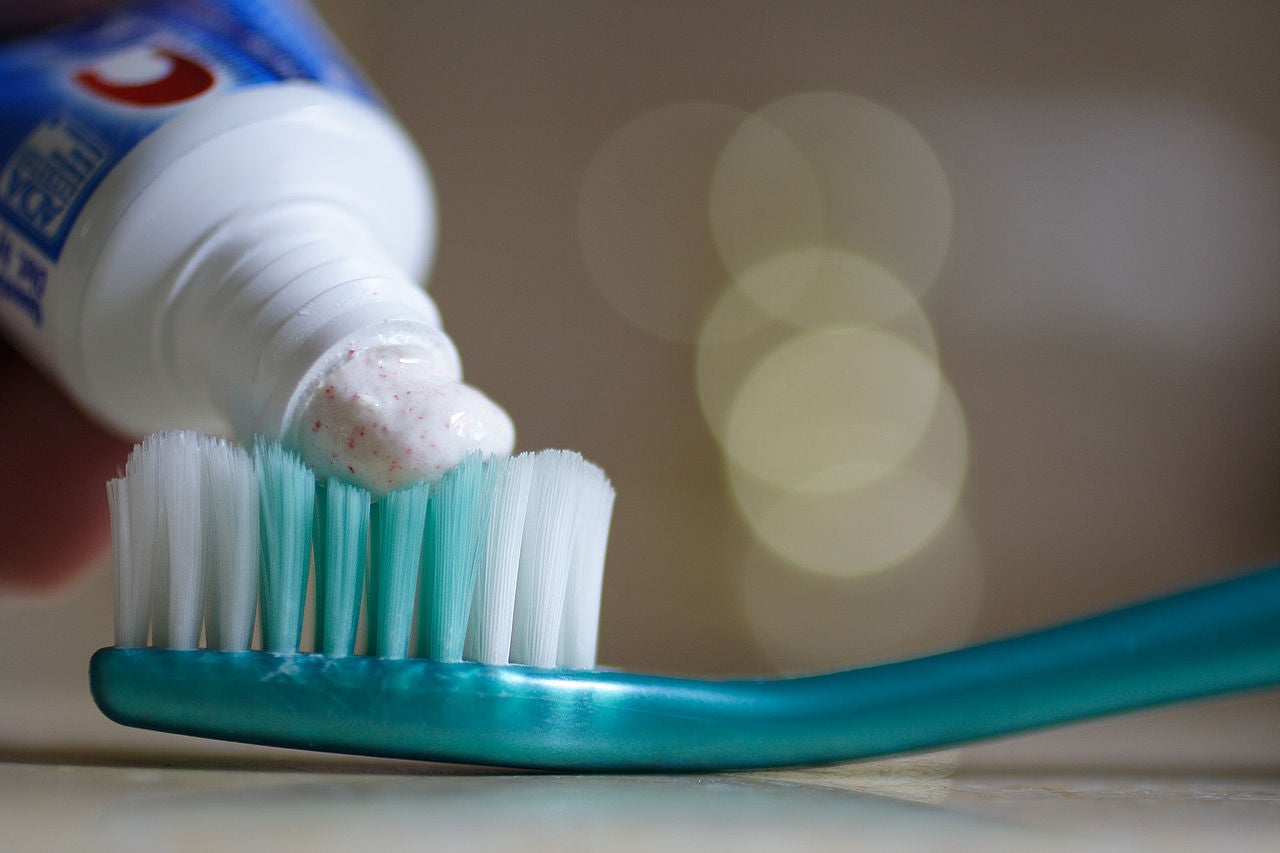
(238, 798)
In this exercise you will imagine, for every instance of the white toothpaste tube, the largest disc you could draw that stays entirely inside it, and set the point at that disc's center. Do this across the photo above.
(208, 221)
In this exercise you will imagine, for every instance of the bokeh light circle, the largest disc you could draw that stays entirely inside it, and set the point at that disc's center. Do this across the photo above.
(736, 335)
(809, 288)
(765, 197)
(831, 409)
(883, 192)
(821, 286)
(642, 216)
(873, 526)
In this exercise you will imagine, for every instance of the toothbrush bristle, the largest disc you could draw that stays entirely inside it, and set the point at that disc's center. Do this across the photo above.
(579, 626)
(545, 554)
(503, 556)
(398, 522)
(489, 628)
(136, 576)
(342, 532)
(131, 613)
(286, 495)
(230, 500)
(456, 517)
(180, 456)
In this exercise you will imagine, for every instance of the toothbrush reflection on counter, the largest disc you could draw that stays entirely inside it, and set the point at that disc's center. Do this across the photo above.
(506, 556)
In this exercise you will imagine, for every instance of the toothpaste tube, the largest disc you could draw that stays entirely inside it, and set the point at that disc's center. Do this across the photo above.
(208, 221)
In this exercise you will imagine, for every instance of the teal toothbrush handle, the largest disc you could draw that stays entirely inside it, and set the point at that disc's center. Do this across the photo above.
(1215, 639)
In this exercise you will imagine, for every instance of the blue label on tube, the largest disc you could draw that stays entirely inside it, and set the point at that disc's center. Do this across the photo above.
(75, 100)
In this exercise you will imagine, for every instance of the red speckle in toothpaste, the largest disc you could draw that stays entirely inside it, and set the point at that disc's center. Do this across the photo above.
(316, 428)
(351, 469)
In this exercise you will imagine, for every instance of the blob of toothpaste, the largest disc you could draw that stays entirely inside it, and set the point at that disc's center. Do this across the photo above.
(387, 417)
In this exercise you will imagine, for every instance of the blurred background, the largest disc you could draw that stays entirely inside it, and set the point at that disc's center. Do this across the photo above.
(896, 324)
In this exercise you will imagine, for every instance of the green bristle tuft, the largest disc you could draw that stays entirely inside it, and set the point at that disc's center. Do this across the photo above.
(342, 532)
(287, 494)
(398, 520)
(456, 518)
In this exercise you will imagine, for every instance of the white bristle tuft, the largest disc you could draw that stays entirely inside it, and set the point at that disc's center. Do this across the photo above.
(180, 488)
(231, 545)
(132, 587)
(544, 558)
(580, 625)
(489, 629)
(147, 549)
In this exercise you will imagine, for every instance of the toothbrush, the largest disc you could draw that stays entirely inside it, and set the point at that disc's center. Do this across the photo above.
(533, 699)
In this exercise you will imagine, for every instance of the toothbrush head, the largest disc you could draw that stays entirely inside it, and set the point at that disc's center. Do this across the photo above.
(504, 556)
